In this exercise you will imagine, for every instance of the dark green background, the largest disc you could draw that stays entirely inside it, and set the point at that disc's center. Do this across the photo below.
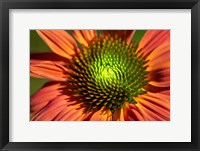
(37, 45)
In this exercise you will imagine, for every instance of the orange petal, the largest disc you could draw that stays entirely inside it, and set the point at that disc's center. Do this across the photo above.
(59, 41)
(130, 37)
(80, 38)
(50, 71)
(129, 112)
(155, 105)
(158, 99)
(165, 92)
(46, 56)
(92, 33)
(160, 84)
(149, 114)
(160, 64)
(156, 109)
(159, 57)
(89, 34)
(132, 113)
(47, 93)
(119, 115)
(53, 69)
(84, 36)
(159, 51)
(136, 113)
(35, 75)
(51, 110)
(151, 40)
(159, 75)
(155, 89)
(159, 78)
(101, 115)
(124, 34)
(73, 112)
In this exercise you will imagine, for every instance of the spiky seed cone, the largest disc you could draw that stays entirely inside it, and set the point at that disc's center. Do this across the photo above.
(108, 73)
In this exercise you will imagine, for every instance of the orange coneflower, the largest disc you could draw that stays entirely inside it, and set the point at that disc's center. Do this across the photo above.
(104, 76)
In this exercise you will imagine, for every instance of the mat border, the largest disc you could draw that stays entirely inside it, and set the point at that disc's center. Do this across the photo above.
(5, 5)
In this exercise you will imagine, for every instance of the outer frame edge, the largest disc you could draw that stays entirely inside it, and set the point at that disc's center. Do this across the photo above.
(4, 74)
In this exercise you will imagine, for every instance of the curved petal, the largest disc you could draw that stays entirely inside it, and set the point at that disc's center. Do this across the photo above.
(51, 102)
(136, 113)
(129, 112)
(48, 65)
(154, 106)
(159, 66)
(159, 78)
(119, 115)
(72, 112)
(159, 58)
(160, 84)
(101, 115)
(130, 37)
(157, 89)
(59, 41)
(124, 34)
(50, 111)
(84, 36)
(151, 40)
(166, 92)
(158, 99)
(47, 56)
(149, 114)
(45, 95)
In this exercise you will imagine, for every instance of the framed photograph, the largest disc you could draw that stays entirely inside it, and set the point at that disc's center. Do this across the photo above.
(100, 75)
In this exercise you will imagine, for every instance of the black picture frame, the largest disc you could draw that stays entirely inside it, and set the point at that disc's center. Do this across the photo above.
(5, 5)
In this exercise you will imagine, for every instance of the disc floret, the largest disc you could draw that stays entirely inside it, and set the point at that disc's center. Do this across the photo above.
(108, 73)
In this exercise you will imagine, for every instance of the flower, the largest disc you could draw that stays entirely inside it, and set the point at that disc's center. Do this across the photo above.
(102, 76)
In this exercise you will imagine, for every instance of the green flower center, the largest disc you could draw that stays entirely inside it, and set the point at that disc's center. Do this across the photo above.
(107, 74)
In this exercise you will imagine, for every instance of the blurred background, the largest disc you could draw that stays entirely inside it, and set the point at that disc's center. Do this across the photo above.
(37, 45)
